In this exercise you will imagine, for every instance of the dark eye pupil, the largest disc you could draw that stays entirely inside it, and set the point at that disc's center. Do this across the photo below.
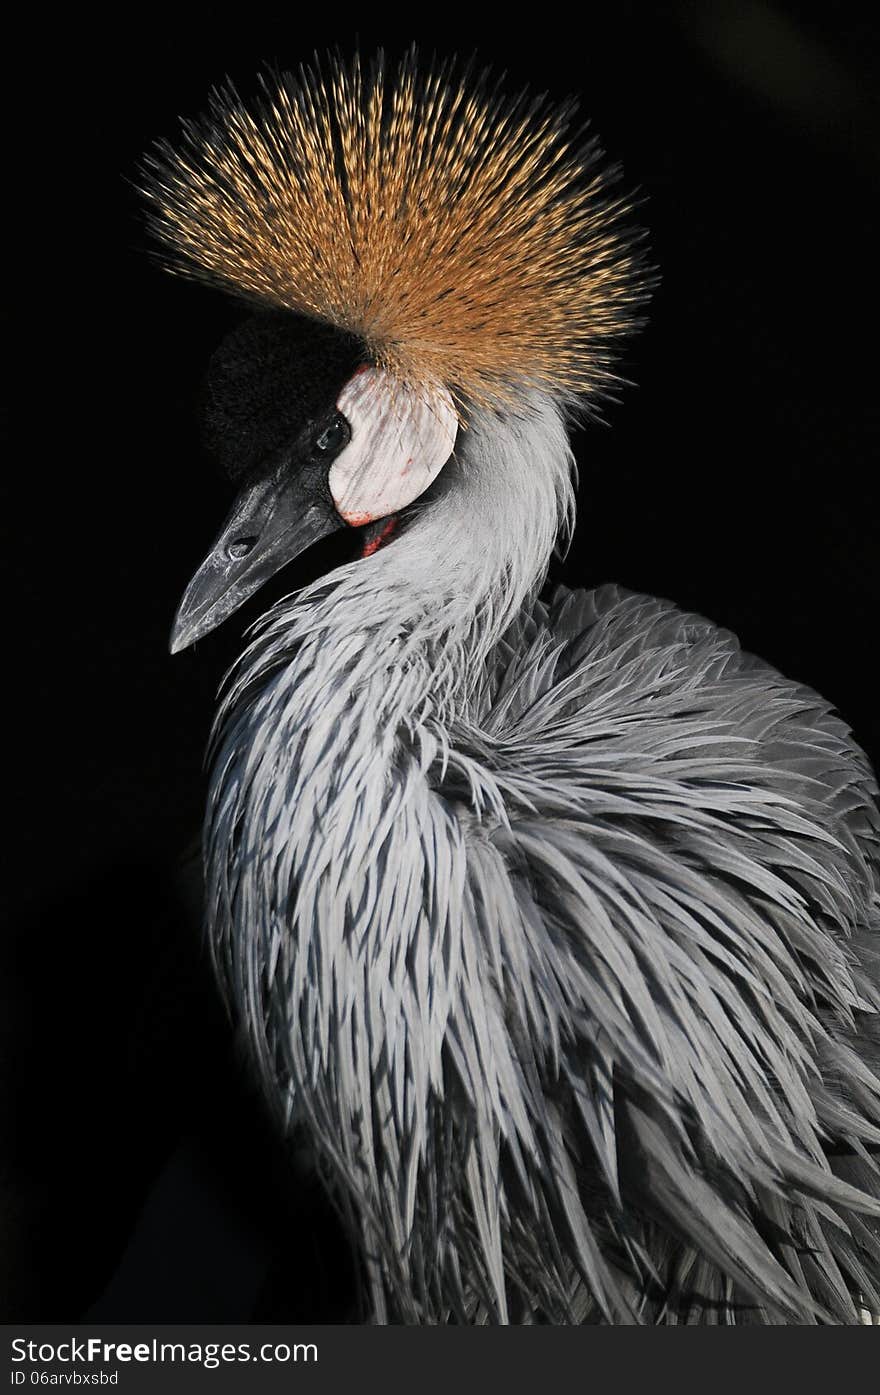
(333, 436)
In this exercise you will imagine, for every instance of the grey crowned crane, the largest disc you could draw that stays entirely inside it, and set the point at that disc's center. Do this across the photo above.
(552, 924)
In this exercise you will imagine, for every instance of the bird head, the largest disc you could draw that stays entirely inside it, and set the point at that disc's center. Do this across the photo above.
(420, 249)
(318, 438)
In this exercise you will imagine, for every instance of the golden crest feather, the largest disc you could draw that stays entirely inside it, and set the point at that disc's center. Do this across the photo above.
(469, 238)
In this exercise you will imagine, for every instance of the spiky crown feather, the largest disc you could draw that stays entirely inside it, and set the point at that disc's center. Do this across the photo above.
(468, 238)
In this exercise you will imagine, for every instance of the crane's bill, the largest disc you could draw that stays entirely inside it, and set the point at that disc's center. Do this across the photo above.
(273, 520)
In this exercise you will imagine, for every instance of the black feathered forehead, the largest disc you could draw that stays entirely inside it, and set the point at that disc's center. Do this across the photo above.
(268, 379)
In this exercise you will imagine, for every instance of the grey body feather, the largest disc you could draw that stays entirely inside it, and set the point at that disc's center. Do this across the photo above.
(555, 926)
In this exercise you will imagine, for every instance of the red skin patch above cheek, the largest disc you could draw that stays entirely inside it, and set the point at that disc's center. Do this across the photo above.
(381, 537)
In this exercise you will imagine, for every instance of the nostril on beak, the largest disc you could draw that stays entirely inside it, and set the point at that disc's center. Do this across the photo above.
(240, 548)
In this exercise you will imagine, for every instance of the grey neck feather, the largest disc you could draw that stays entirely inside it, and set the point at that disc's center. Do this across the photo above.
(322, 753)
(441, 594)
(375, 880)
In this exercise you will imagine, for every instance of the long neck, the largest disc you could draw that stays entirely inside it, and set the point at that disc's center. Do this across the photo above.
(431, 605)
(322, 786)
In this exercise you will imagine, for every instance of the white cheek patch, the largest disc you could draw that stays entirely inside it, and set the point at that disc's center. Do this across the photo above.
(400, 441)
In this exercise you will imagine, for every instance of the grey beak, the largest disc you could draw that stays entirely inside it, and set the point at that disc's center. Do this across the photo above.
(272, 521)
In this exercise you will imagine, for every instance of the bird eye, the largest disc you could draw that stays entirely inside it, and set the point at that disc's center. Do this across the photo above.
(240, 548)
(333, 437)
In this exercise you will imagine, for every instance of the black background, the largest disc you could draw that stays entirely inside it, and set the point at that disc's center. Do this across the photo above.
(738, 478)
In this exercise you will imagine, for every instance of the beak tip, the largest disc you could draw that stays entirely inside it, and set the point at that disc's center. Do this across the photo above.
(180, 638)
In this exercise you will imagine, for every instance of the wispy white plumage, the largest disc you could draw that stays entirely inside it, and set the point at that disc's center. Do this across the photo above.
(553, 925)
(550, 924)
